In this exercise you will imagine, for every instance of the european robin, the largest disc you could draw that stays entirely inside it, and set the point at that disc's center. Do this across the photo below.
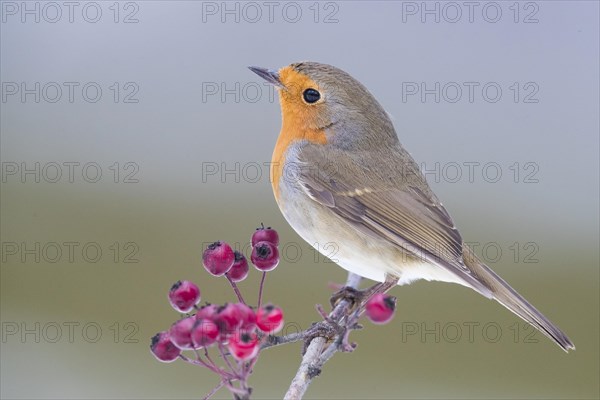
(340, 174)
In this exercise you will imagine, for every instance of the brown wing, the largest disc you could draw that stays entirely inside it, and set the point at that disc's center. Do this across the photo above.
(396, 204)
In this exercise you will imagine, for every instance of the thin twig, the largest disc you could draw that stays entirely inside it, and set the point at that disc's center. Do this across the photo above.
(344, 319)
(197, 362)
(233, 389)
(224, 356)
(251, 365)
(209, 358)
(211, 366)
(272, 340)
(328, 353)
(311, 364)
(235, 289)
(260, 290)
(215, 390)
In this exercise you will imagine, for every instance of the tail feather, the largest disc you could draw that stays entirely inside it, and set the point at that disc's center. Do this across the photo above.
(509, 298)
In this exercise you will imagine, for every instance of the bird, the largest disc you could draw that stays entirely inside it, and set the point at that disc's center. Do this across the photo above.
(340, 175)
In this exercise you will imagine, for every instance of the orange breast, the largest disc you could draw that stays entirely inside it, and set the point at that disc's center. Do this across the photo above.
(287, 137)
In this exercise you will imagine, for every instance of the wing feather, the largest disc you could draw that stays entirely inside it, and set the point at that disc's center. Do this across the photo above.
(405, 212)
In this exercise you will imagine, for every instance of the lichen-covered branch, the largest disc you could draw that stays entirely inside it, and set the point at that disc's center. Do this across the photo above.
(317, 352)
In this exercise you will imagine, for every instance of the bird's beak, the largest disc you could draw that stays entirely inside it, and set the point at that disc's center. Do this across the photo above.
(268, 75)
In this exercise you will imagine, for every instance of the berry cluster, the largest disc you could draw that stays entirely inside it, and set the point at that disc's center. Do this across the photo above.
(235, 329)
(234, 325)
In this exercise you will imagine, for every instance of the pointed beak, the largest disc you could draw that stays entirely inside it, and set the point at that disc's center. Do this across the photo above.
(268, 75)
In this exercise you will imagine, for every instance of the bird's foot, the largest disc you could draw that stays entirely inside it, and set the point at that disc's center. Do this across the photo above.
(337, 329)
(350, 294)
(358, 298)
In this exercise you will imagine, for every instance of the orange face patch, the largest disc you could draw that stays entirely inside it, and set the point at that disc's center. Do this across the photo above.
(300, 120)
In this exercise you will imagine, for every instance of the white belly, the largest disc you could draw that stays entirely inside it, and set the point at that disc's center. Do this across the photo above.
(354, 251)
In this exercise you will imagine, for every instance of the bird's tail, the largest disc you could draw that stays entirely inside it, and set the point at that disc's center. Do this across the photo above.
(509, 298)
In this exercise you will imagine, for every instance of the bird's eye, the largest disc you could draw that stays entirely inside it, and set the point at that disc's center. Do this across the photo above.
(311, 96)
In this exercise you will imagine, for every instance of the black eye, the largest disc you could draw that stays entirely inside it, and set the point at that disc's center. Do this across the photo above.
(311, 96)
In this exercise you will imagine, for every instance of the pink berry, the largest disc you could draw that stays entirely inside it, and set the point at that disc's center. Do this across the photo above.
(380, 308)
(181, 331)
(269, 319)
(265, 256)
(244, 345)
(184, 295)
(263, 234)
(228, 318)
(204, 333)
(218, 258)
(239, 270)
(247, 317)
(163, 348)
(207, 312)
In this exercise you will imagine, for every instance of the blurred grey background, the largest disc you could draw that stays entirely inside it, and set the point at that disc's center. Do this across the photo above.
(132, 134)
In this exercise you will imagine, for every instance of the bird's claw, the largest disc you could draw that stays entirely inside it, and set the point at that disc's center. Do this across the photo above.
(352, 295)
